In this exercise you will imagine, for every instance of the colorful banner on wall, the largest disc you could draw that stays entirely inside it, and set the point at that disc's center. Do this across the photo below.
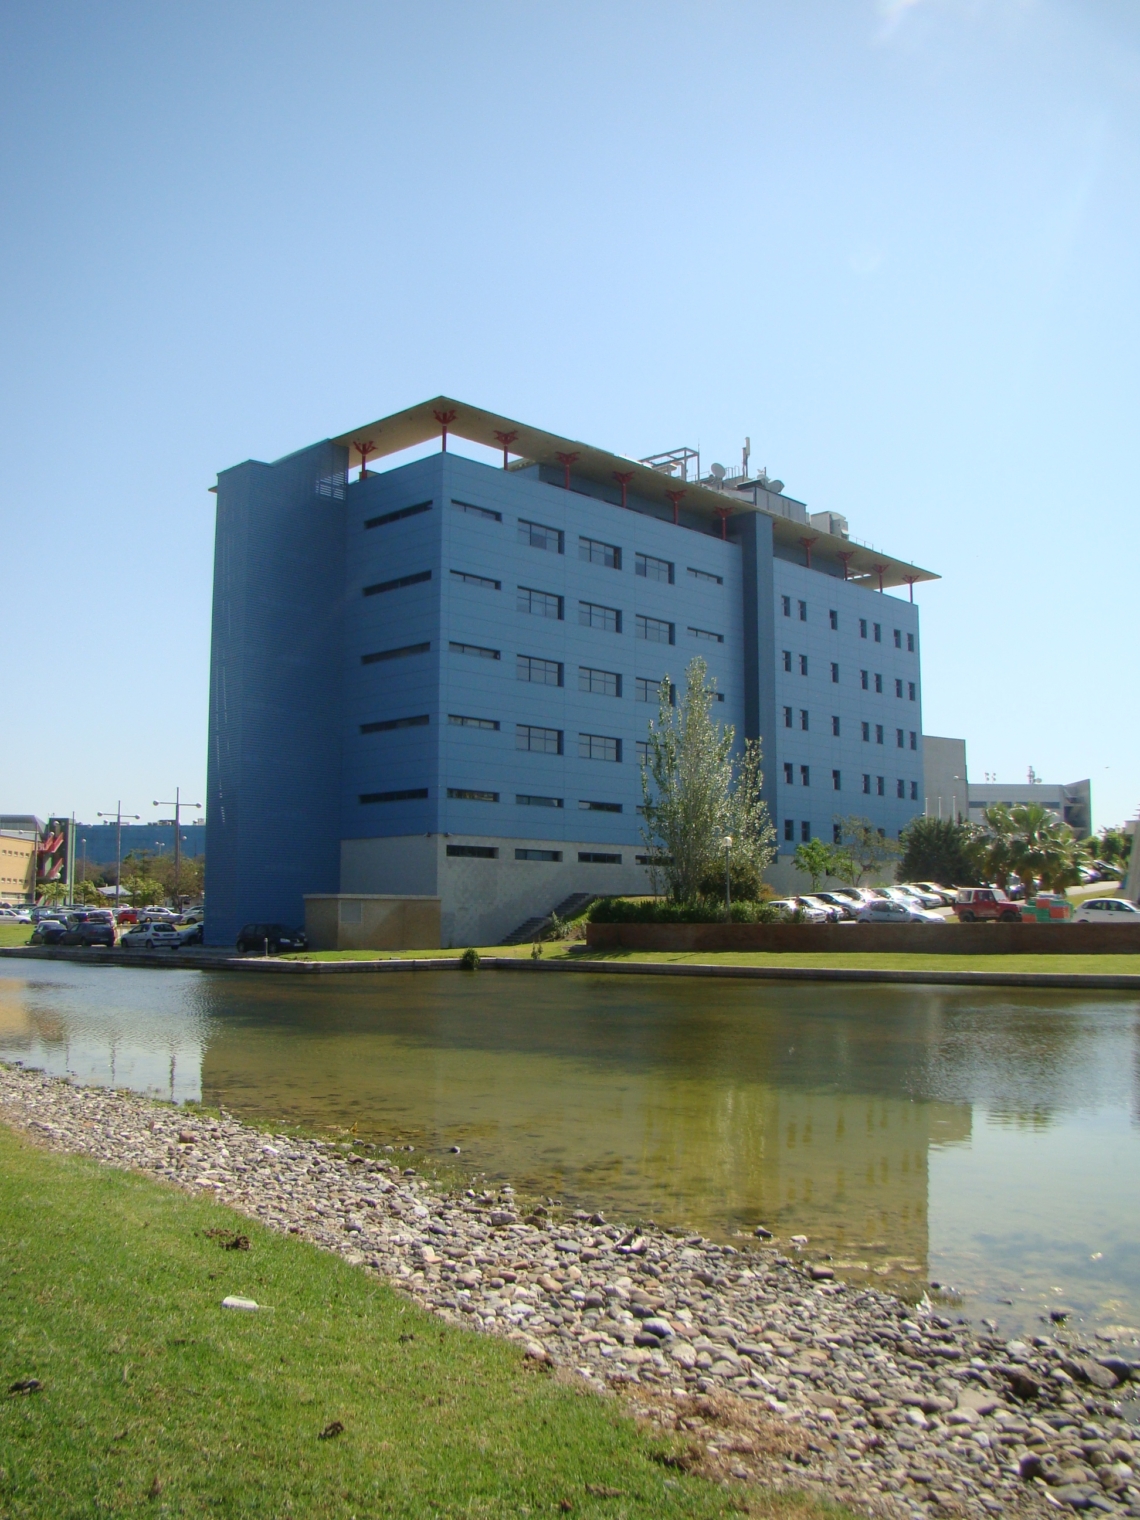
(51, 856)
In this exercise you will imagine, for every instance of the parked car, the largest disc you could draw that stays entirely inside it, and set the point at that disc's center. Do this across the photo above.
(278, 936)
(15, 916)
(1107, 910)
(908, 894)
(946, 894)
(189, 934)
(49, 931)
(151, 936)
(858, 897)
(814, 900)
(975, 903)
(90, 931)
(846, 906)
(194, 916)
(799, 909)
(889, 910)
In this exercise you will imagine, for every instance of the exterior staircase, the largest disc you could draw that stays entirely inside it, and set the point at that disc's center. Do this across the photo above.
(534, 928)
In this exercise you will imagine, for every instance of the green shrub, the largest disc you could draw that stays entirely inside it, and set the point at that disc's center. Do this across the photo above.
(702, 910)
(469, 960)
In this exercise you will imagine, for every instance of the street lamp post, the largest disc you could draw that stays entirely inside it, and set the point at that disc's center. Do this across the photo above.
(178, 805)
(118, 815)
(727, 882)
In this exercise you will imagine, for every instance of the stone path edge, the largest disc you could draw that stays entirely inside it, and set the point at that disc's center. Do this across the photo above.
(1104, 981)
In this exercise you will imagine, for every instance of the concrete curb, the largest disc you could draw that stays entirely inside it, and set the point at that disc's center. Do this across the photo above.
(259, 965)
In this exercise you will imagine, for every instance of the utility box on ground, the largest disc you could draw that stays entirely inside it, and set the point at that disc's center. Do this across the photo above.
(371, 921)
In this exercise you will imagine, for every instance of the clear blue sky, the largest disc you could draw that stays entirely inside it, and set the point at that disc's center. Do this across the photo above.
(895, 243)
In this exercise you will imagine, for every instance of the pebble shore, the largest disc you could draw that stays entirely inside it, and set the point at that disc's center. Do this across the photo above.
(771, 1369)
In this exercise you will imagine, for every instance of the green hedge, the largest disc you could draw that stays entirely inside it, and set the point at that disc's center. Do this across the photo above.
(704, 910)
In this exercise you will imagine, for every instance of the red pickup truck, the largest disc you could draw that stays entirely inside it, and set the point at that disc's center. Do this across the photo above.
(974, 903)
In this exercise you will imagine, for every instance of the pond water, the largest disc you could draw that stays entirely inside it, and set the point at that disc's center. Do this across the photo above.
(984, 1139)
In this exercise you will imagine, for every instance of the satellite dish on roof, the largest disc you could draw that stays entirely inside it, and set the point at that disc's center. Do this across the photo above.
(718, 472)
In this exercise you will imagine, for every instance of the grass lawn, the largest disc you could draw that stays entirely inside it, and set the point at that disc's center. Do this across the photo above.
(14, 934)
(156, 1400)
(866, 960)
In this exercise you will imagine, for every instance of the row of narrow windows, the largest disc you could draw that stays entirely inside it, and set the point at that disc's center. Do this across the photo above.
(880, 788)
(837, 726)
(865, 676)
(806, 834)
(865, 628)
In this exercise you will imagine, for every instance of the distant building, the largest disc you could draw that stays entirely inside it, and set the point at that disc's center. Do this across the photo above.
(437, 678)
(1071, 804)
(95, 842)
(944, 777)
(17, 863)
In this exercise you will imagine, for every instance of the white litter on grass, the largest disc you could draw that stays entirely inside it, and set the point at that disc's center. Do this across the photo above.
(239, 1303)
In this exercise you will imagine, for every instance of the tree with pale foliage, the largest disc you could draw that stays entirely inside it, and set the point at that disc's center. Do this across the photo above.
(696, 792)
(864, 850)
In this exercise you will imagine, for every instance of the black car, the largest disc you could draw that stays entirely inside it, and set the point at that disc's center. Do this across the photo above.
(278, 936)
(49, 931)
(90, 931)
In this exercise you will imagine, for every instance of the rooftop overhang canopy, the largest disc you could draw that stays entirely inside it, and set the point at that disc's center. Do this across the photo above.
(419, 424)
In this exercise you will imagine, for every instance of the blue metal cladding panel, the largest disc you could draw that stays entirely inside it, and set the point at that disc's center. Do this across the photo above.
(273, 775)
(818, 803)
(478, 563)
(96, 841)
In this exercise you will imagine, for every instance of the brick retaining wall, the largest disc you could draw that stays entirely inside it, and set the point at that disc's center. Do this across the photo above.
(928, 939)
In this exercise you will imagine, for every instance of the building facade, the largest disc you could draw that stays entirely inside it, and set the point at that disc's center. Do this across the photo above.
(945, 778)
(1069, 803)
(446, 670)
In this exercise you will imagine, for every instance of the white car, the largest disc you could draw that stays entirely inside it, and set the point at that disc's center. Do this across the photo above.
(151, 936)
(945, 895)
(1107, 910)
(847, 906)
(15, 916)
(809, 913)
(833, 913)
(914, 897)
(888, 910)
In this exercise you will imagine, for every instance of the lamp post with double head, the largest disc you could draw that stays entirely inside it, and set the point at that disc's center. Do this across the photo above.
(178, 805)
(727, 882)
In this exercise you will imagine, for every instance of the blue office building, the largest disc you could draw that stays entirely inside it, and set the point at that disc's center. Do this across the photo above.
(436, 677)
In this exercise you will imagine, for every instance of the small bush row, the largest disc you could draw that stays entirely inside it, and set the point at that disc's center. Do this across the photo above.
(701, 910)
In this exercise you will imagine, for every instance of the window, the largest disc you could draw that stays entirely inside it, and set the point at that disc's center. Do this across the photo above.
(390, 723)
(541, 672)
(788, 661)
(911, 690)
(477, 580)
(913, 739)
(475, 649)
(803, 611)
(539, 603)
(704, 633)
(787, 717)
(598, 807)
(391, 517)
(836, 782)
(900, 738)
(603, 683)
(540, 741)
(643, 751)
(910, 643)
(474, 511)
(878, 733)
(598, 553)
(803, 665)
(835, 725)
(833, 618)
(648, 690)
(465, 794)
(402, 580)
(879, 683)
(805, 831)
(706, 575)
(865, 679)
(592, 857)
(898, 638)
(395, 654)
(654, 860)
(598, 747)
(898, 687)
(539, 536)
(878, 633)
(608, 619)
(835, 672)
(473, 851)
(866, 733)
(654, 569)
(805, 775)
(837, 833)
(862, 628)
(790, 830)
(789, 772)
(804, 718)
(413, 794)
(901, 789)
(655, 630)
(914, 791)
(527, 799)
(548, 855)
(880, 786)
(786, 602)
(867, 785)
(461, 720)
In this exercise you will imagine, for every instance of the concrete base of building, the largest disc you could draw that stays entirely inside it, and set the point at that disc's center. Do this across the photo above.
(893, 939)
(371, 921)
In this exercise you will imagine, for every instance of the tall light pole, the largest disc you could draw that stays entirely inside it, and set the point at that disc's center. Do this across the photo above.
(178, 805)
(118, 815)
(727, 883)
